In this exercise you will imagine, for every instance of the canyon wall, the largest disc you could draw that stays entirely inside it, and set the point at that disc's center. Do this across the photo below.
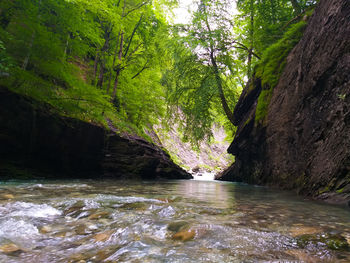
(304, 142)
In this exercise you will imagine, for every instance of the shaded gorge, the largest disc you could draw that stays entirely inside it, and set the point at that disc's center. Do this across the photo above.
(167, 221)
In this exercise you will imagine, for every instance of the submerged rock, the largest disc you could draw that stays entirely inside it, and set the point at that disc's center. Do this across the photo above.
(184, 235)
(7, 196)
(304, 230)
(177, 226)
(10, 248)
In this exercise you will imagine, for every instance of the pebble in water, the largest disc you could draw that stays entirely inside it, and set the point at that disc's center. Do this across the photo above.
(184, 235)
(9, 248)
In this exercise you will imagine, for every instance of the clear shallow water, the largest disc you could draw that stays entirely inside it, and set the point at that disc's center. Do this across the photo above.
(177, 221)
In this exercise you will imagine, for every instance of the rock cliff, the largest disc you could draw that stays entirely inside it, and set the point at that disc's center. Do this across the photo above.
(304, 142)
(37, 143)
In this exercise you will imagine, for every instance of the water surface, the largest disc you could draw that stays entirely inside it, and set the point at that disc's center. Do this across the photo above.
(169, 221)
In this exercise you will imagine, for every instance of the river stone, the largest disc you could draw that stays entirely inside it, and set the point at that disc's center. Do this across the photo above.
(302, 255)
(7, 196)
(185, 235)
(177, 226)
(102, 237)
(45, 229)
(296, 231)
(99, 215)
(134, 206)
(9, 248)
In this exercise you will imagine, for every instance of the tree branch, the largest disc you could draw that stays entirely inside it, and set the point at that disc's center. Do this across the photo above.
(144, 68)
(135, 8)
(132, 35)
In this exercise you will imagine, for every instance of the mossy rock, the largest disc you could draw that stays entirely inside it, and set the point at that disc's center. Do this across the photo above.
(333, 242)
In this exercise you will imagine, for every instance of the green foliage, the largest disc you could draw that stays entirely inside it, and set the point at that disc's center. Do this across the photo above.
(262, 106)
(5, 60)
(270, 68)
(274, 57)
(55, 51)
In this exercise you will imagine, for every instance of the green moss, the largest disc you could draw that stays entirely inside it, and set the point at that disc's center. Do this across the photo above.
(324, 190)
(271, 65)
(274, 57)
(333, 242)
(339, 191)
(262, 107)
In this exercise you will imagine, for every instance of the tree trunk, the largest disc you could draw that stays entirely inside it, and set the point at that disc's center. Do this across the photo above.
(228, 112)
(113, 65)
(26, 59)
(66, 48)
(120, 56)
(97, 58)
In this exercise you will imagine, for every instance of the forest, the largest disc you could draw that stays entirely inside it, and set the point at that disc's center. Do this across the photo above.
(127, 64)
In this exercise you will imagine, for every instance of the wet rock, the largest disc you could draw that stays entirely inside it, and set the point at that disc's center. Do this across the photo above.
(102, 237)
(177, 226)
(184, 235)
(333, 242)
(135, 206)
(304, 230)
(45, 229)
(196, 169)
(78, 258)
(82, 230)
(99, 215)
(10, 249)
(7, 196)
(75, 209)
(302, 256)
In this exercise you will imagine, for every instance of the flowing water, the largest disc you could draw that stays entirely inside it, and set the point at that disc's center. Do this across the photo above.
(177, 221)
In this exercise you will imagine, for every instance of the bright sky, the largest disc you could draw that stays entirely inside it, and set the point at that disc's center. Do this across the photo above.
(182, 14)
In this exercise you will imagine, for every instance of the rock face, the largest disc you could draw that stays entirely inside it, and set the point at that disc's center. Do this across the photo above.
(35, 142)
(305, 142)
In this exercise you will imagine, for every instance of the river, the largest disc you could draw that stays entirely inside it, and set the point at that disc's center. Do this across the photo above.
(167, 221)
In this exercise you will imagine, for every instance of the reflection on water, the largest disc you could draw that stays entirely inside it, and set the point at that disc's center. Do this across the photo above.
(178, 221)
(218, 194)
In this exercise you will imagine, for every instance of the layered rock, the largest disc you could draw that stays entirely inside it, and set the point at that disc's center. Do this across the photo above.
(36, 142)
(304, 143)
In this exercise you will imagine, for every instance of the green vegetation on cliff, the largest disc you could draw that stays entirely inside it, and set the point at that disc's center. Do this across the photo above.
(272, 63)
(122, 63)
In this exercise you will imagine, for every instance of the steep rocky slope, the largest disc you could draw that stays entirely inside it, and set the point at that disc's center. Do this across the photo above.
(304, 142)
(37, 143)
(210, 157)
